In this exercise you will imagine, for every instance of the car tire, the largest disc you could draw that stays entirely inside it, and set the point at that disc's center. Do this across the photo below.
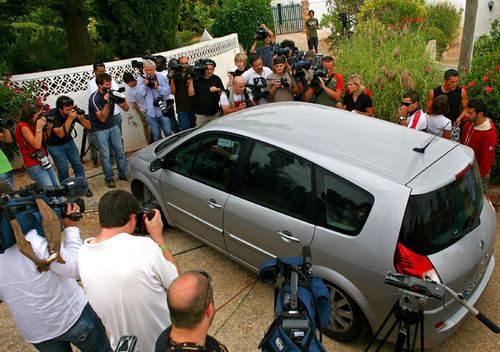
(347, 321)
(148, 196)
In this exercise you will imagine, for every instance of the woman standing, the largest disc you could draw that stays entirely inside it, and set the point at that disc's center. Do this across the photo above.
(437, 123)
(29, 136)
(356, 99)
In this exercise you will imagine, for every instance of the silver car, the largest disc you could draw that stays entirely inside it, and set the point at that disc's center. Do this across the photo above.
(268, 180)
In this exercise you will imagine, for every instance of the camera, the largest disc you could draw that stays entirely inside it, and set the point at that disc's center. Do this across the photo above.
(318, 71)
(261, 34)
(259, 84)
(139, 64)
(284, 82)
(248, 102)
(176, 67)
(117, 96)
(4, 123)
(49, 117)
(21, 205)
(280, 51)
(197, 70)
(151, 82)
(165, 105)
(146, 210)
(78, 110)
(42, 158)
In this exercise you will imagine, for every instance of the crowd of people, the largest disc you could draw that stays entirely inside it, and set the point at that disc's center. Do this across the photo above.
(131, 285)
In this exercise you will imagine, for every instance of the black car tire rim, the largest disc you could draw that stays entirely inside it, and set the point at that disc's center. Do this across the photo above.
(342, 316)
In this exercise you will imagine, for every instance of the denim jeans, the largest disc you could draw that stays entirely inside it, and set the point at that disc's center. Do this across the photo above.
(61, 154)
(157, 125)
(8, 178)
(103, 139)
(186, 120)
(118, 121)
(88, 334)
(43, 176)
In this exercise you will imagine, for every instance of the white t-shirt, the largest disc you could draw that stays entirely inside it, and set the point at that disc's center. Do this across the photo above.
(125, 279)
(237, 99)
(132, 97)
(92, 87)
(436, 124)
(250, 74)
(44, 305)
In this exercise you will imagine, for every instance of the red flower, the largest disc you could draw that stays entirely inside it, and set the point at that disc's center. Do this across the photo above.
(465, 87)
(488, 89)
(471, 83)
(498, 67)
(485, 78)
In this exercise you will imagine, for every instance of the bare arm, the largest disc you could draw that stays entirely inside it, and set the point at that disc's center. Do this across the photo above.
(428, 104)
(308, 95)
(155, 230)
(5, 136)
(191, 92)
(447, 134)
(172, 86)
(34, 140)
(124, 105)
(253, 48)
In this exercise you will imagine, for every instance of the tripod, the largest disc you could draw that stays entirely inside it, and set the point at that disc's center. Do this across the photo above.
(408, 312)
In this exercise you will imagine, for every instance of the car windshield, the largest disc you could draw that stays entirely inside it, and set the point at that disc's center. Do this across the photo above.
(435, 220)
(172, 139)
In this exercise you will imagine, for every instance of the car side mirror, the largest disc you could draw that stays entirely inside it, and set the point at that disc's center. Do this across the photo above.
(156, 165)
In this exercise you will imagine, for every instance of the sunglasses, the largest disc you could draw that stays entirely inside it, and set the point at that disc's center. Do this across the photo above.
(406, 104)
(207, 292)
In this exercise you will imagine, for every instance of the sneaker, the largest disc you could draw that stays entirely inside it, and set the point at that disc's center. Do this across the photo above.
(89, 193)
(110, 184)
(123, 178)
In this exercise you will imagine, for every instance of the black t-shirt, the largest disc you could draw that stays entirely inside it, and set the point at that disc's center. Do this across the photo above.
(163, 343)
(362, 103)
(96, 103)
(207, 103)
(59, 120)
(183, 102)
(237, 72)
(454, 99)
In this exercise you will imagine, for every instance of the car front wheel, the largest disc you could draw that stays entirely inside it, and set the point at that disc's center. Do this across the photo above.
(347, 322)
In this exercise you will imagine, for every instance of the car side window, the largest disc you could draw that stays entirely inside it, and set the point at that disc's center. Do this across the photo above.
(279, 180)
(183, 157)
(216, 157)
(342, 205)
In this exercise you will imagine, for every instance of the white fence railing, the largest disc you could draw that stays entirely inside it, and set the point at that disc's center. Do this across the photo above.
(73, 81)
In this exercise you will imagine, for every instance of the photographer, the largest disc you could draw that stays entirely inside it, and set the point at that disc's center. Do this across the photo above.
(29, 136)
(280, 84)
(50, 309)
(326, 90)
(192, 310)
(154, 88)
(266, 51)
(137, 103)
(206, 91)
(239, 98)
(59, 141)
(126, 277)
(105, 131)
(179, 83)
(258, 70)
(5, 166)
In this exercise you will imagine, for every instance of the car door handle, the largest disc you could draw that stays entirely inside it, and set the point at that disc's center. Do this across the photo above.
(213, 204)
(287, 236)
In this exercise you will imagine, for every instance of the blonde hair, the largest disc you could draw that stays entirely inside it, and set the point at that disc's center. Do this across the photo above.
(357, 80)
(240, 57)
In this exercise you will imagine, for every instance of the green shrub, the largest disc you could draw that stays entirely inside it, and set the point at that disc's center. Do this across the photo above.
(442, 40)
(35, 48)
(196, 15)
(397, 14)
(243, 17)
(445, 16)
(389, 63)
(186, 37)
(483, 80)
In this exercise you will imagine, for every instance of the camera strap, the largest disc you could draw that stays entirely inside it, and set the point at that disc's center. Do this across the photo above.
(321, 90)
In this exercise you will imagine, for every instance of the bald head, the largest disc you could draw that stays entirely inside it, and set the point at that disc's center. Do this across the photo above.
(188, 298)
(238, 85)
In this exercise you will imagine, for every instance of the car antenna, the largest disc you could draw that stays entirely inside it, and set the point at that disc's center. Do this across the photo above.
(422, 149)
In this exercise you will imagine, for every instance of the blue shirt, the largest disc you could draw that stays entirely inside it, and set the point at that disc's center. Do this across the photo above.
(149, 95)
(96, 103)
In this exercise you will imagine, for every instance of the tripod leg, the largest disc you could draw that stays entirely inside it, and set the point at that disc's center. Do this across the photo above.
(379, 330)
(402, 337)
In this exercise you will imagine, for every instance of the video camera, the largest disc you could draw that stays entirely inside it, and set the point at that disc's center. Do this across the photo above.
(6, 123)
(259, 88)
(197, 70)
(302, 305)
(117, 96)
(165, 105)
(176, 67)
(21, 204)
(261, 34)
(280, 51)
(318, 71)
(139, 64)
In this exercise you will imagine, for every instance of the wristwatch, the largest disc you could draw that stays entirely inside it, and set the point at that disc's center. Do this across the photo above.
(401, 118)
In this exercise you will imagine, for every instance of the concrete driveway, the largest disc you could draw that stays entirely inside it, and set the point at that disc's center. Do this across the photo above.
(245, 305)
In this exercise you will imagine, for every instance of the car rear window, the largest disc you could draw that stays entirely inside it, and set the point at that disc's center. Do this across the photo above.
(435, 220)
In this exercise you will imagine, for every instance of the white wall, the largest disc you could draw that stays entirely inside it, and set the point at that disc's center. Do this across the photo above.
(73, 82)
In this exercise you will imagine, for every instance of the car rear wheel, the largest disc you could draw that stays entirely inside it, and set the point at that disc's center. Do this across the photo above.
(347, 322)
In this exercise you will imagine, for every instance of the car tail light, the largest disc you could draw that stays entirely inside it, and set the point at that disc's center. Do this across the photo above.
(410, 263)
(439, 325)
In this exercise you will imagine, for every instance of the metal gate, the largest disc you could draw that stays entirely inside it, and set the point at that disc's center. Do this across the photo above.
(287, 18)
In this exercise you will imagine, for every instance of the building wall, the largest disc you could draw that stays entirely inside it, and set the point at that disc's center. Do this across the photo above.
(73, 82)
